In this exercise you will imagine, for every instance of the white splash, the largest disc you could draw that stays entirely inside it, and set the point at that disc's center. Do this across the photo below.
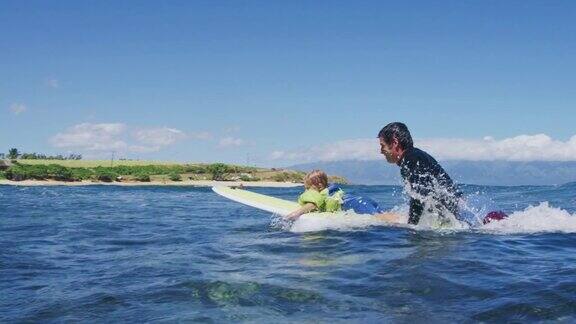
(343, 221)
(534, 219)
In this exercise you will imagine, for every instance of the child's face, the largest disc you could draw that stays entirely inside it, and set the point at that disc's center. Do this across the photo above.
(310, 185)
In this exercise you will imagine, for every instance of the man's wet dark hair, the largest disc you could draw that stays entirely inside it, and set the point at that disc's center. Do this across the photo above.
(398, 130)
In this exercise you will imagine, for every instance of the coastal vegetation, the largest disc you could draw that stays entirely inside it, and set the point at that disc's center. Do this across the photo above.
(175, 177)
(14, 154)
(144, 171)
(96, 163)
(36, 166)
(218, 171)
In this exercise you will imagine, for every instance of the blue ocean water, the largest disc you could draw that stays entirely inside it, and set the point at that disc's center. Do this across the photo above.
(111, 254)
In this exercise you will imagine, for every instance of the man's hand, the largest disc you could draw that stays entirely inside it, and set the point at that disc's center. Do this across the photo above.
(388, 217)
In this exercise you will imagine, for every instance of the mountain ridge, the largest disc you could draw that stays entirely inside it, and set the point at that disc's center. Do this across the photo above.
(376, 172)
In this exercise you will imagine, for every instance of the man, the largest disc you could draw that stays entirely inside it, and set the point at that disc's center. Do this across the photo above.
(430, 188)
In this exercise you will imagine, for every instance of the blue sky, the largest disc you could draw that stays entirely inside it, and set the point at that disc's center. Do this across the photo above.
(281, 82)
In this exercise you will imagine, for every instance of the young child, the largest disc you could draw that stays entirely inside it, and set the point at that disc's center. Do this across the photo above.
(320, 197)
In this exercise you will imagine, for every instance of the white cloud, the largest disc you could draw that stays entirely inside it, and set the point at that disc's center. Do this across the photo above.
(163, 136)
(114, 137)
(538, 147)
(232, 129)
(143, 149)
(53, 83)
(231, 141)
(18, 108)
(91, 137)
(355, 149)
(200, 136)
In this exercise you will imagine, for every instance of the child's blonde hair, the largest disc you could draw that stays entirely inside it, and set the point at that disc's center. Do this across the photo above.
(316, 178)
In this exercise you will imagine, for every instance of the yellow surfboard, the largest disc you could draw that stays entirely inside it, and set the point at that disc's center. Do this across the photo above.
(268, 203)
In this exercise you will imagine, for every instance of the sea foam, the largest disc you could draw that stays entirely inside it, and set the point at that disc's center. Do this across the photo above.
(535, 219)
(541, 218)
(342, 221)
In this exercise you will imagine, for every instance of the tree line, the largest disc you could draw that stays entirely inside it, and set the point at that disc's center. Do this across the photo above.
(14, 154)
(217, 171)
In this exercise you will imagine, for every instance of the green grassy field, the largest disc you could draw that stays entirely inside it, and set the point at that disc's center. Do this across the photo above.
(97, 163)
(135, 170)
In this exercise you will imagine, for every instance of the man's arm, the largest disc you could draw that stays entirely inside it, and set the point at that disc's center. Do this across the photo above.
(419, 179)
(388, 217)
(416, 210)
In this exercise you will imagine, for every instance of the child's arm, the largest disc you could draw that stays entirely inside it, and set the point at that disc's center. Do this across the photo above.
(306, 208)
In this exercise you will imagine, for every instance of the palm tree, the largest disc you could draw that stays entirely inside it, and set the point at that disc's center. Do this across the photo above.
(13, 154)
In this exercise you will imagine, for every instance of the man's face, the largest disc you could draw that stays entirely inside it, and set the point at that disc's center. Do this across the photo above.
(390, 152)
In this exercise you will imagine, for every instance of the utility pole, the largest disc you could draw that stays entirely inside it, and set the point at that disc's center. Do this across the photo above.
(112, 160)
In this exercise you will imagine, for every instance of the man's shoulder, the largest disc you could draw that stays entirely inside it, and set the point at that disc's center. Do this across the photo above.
(415, 154)
(420, 153)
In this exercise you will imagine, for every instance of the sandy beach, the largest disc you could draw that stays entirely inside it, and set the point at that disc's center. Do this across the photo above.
(190, 183)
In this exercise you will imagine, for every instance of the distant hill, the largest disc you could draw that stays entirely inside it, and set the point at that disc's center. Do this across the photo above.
(469, 172)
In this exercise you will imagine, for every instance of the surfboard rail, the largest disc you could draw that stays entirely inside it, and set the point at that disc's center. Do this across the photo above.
(264, 202)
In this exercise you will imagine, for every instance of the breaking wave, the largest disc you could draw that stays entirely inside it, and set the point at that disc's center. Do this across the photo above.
(541, 218)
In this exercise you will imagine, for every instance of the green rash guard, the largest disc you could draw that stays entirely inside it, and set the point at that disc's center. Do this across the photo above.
(323, 201)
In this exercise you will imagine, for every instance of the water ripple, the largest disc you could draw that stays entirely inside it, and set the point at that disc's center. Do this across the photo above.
(168, 254)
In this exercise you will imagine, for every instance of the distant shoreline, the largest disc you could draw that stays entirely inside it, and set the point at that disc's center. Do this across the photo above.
(186, 183)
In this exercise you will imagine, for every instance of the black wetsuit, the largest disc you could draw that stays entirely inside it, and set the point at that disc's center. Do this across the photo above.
(430, 187)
